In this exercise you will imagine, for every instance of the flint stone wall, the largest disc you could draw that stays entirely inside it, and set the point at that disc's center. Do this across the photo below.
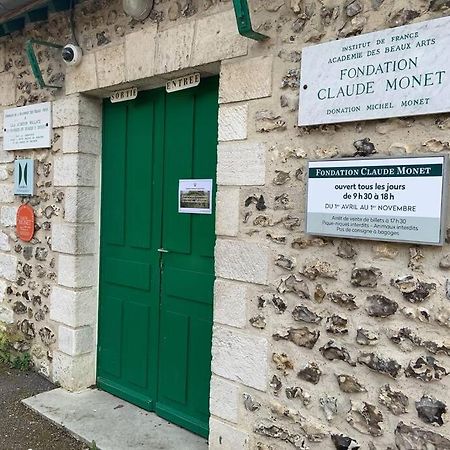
(318, 343)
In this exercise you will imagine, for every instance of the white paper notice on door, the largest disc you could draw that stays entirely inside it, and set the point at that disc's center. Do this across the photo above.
(195, 196)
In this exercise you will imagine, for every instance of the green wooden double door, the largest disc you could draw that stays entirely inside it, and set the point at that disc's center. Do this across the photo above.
(156, 264)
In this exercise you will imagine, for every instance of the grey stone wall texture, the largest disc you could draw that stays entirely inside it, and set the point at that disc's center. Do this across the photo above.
(318, 342)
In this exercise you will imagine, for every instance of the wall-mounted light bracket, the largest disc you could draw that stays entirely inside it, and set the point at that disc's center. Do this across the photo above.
(244, 21)
(32, 58)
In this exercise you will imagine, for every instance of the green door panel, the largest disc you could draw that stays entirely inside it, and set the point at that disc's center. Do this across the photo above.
(113, 180)
(188, 267)
(127, 273)
(196, 286)
(129, 261)
(155, 319)
(111, 338)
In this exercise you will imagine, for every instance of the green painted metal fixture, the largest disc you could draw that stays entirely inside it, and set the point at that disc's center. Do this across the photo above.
(244, 21)
(37, 72)
(18, 22)
(13, 25)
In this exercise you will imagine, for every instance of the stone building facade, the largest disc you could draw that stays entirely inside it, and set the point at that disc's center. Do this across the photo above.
(317, 342)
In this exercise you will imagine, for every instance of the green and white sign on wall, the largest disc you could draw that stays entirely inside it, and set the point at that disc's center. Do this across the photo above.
(398, 72)
(24, 177)
(391, 199)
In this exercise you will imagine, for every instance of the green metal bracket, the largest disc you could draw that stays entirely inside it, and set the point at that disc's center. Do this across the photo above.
(35, 63)
(39, 14)
(244, 22)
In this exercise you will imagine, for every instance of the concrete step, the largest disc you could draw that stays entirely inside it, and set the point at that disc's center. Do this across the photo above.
(113, 424)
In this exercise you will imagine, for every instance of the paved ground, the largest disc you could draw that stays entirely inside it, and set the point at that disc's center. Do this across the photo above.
(113, 423)
(21, 428)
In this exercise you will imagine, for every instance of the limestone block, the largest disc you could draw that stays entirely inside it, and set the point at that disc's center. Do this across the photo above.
(74, 373)
(83, 77)
(3, 286)
(80, 204)
(70, 139)
(4, 242)
(110, 65)
(78, 139)
(65, 111)
(224, 401)
(90, 112)
(240, 357)
(75, 170)
(7, 89)
(6, 315)
(242, 261)
(241, 164)
(7, 193)
(217, 38)
(75, 341)
(227, 211)
(8, 216)
(4, 174)
(1, 122)
(225, 437)
(229, 303)
(76, 110)
(2, 57)
(140, 50)
(233, 122)
(174, 48)
(8, 266)
(5, 156)
(74, 239)
(246, 79)
(73, 308)
(77, 271)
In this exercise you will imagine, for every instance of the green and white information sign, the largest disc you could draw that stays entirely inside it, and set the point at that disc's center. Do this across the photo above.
(391, 199)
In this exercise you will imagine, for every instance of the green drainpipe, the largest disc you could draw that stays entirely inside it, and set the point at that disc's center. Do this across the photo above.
(244, 22)
(35, 63)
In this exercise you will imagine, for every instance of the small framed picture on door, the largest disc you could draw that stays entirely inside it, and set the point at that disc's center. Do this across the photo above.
(195, 196)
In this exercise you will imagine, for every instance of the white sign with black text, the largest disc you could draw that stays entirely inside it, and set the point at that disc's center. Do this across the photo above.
(124, 95)
(389, 199)
(27, 127)
(399, 72)
(195, 196)
(186, 82)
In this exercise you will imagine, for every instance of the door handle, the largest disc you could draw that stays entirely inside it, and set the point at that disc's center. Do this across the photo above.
(163, 250)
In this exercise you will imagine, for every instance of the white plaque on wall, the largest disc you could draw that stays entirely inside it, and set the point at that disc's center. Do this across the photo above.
(388, 199)
(186, 82)
(27, 127)
(124, 95)
(398, 72)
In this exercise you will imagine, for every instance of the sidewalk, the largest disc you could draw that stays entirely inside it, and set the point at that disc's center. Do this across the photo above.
(21, 428)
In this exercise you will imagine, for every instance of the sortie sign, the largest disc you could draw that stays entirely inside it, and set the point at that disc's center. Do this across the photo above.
(124, 95)
(397, 72)
(391, 199)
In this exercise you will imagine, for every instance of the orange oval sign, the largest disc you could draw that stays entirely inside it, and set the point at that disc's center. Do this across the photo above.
(25, 223)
